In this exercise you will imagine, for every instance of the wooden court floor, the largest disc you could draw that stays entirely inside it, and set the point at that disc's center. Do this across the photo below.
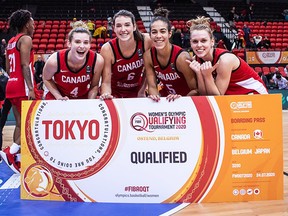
(259, 208)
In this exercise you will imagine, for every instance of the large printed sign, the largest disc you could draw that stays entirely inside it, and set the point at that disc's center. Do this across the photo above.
(266, 57)
(195, 149)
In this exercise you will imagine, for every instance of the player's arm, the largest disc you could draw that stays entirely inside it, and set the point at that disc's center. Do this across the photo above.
(153, 92)
(94, 87)
(107, 54)
(25, 46)
(50, 68)
(189, 74)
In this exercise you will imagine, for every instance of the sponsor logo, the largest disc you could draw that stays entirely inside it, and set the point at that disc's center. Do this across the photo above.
(241, 106)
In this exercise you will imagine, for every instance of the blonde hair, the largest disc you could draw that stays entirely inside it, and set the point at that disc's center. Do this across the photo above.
(79, 27)
(200, 23)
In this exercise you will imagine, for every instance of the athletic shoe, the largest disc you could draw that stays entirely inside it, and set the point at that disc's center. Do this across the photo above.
(10, 160)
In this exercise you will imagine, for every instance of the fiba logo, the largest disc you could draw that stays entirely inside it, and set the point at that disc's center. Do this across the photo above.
(139, 122)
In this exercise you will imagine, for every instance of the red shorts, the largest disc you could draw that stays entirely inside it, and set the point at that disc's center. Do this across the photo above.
(17, 102)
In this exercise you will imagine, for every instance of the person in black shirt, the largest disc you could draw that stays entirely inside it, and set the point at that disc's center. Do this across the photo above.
(38, 65)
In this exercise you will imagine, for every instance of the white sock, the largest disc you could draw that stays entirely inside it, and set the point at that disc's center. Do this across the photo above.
(14, 148)
(18, 157)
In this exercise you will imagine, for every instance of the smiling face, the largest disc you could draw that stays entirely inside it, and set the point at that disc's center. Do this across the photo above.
(124, 27)
(160, 34)
(80, 45)
(202, 43)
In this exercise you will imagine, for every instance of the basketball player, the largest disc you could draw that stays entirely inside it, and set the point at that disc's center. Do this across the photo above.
(74, 73)
(218, 71)
(21, 84)
(123, 70)
(166, 62)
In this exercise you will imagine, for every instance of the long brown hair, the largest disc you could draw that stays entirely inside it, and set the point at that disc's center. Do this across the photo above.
(137, 34)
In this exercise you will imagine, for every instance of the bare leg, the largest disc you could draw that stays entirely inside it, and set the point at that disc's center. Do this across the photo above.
(17, 130)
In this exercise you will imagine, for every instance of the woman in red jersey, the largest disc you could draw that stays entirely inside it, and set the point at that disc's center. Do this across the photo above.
(220, 72)
(123, 71)
(21, 85)
(74, 73)
(166, 63)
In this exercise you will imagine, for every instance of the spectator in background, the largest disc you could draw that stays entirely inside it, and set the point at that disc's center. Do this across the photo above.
(240, 43)
(177, 38)
(218, 34)
(73, 22)
(3, 46)
(266, 43)
(264, 78)
(251, 45)
(250, 12)
(271, 83)
(38, 66)
(281, 82)
(221, 44)
(109, 27)
(91, 26)
(286, 70)
(232, 16)
(258, 40)
(246, 29)
(186, 38)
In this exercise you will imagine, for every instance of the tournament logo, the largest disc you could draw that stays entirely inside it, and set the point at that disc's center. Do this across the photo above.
(158, 121)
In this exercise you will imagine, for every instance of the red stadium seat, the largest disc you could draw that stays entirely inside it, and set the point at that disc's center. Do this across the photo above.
(48, 22)
(46, 31)
(45, 35)
(44, 40)
(61, 35)
(93, 47)
(36, 41)
(42, 47)
(52, 41)
(38, 31)
(59, 46)
(37, 36)
(35, 47)
(54, 31)
(62, 26)
(258, 69)
(62, 31)
(55, 22)
(50, 47)
(60, 41)
(53, 35)
(265, 70)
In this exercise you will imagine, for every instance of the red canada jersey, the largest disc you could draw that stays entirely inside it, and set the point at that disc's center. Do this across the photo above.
(244, 80)
(173, 81)
(74, 85)
(127, 72)
(16, 85)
